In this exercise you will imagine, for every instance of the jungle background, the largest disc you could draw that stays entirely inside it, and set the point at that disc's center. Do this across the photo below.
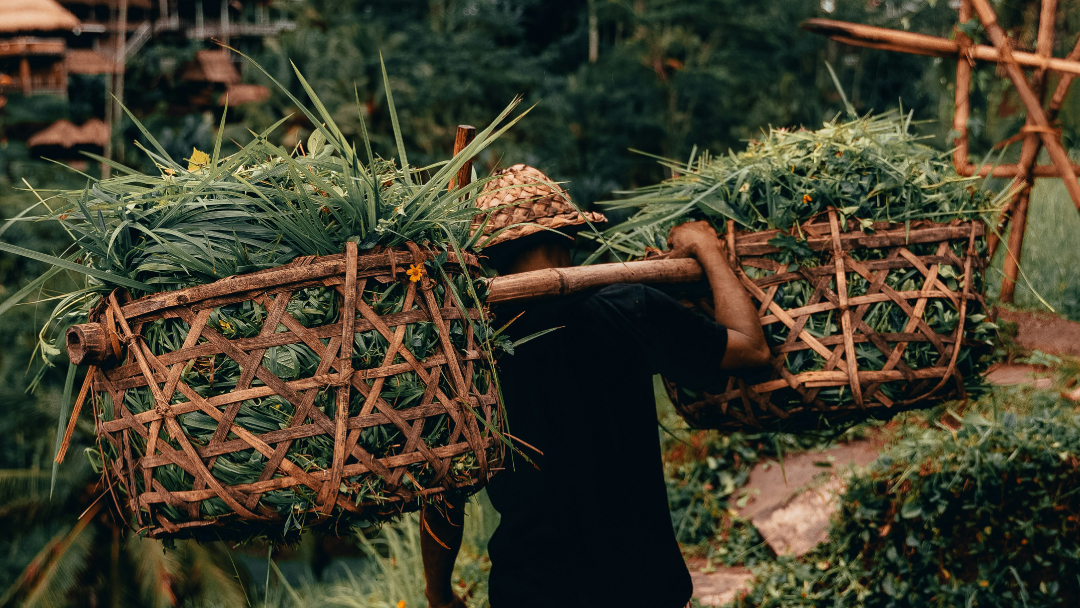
(609, 78)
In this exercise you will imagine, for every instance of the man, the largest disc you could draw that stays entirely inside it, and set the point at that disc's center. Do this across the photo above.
(586, 523)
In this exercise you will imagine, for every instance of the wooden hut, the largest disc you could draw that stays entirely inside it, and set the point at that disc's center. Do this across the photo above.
(29, 55)
(239, 94)
(64, 140)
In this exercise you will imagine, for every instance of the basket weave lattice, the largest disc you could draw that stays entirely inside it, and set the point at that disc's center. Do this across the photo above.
(790, 401)
(456, 394)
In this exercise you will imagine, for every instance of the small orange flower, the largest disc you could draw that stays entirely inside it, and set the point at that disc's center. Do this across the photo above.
(401, 604)
(984, 583)
(415, 272)
(806, 198)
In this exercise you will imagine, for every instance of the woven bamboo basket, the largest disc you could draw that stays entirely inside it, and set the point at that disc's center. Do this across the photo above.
(140, 398)
(861, 370)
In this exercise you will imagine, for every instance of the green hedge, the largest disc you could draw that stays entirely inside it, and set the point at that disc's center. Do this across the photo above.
(984, 515)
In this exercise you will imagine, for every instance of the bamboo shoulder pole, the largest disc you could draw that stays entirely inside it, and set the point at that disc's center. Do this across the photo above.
(553, 282)
(88, 343)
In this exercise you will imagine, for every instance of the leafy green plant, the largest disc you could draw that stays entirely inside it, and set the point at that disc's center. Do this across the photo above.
(394, 571)
(986, 514)
(214, 216)
(872, 169)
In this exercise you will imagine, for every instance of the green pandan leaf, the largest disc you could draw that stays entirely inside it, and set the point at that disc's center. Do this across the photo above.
(796, 246)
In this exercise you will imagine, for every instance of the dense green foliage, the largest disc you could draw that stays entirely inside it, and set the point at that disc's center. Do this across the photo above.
(872, 169)
(215, 216)
(986, 514)
(667, 75)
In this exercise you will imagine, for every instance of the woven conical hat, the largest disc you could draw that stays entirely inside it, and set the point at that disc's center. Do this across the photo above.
(535, 199)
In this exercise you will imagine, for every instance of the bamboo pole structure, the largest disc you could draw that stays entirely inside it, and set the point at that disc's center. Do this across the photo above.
(1052, 111)
(1051, 140)
(868, 36)
(873, 37)
(963, 89)
(1036, 134)
(1028, 154)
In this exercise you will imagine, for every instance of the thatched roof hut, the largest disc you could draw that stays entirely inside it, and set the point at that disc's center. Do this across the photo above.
(86, 61)
(35, 16)
(65, 134)
(211, 66)
(239, 94)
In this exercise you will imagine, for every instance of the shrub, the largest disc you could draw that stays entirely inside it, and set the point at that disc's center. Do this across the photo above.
(987, 514)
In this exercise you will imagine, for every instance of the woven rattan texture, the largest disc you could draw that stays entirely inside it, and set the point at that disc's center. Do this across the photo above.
(344, 401)
(533, 198)
(855, 358)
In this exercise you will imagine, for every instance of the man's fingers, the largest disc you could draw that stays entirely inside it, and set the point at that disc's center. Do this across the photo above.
(680, 252)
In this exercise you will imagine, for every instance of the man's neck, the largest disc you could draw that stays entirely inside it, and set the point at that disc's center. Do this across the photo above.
(548, 255)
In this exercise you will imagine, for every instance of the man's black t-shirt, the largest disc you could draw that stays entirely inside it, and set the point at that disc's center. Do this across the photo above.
(592, 527)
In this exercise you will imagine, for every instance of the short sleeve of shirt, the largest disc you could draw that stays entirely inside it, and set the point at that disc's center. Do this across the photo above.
(657, 330)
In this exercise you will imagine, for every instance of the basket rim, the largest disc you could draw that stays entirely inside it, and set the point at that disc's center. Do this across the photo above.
(304, 268)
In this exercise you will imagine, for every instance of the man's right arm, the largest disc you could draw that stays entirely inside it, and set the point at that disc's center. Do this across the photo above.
(746, 346)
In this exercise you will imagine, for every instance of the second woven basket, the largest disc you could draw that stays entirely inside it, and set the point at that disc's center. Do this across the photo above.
(888, 300)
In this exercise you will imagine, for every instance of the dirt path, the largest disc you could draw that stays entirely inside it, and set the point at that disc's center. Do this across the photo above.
(790, 506)
(1045, 332)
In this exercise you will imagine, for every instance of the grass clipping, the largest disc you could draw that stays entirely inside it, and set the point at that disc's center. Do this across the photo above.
(201, 219)
(870, 169)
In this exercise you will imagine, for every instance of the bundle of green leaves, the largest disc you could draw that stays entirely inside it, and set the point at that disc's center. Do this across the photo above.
(218, 215)
(987, 514)
(870, 169)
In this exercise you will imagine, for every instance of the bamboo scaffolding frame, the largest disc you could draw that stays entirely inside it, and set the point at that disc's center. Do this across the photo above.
(1038, 132)
(1018, 206)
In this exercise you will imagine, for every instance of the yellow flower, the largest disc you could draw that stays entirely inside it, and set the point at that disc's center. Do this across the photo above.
(198, 160)
(415, 272)
(806, 198)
